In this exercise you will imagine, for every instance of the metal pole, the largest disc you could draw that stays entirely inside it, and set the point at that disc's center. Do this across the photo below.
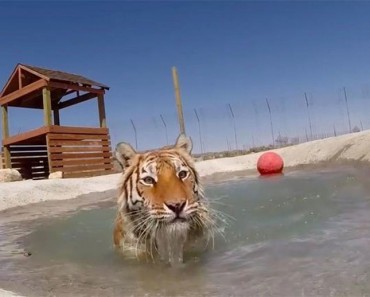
(133, 125)
(349, 119)
(305, 130)
(165, 127)
(308, 114)
(178, 100)
(362, 127)
(235, 135)
(257, 126)
(200, 133)
(272, 128)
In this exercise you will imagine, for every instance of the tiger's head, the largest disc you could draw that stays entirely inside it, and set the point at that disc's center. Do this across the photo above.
(160, 189)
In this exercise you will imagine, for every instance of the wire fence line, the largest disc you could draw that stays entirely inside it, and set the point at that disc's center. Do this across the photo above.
(254, 123)
(246, 124)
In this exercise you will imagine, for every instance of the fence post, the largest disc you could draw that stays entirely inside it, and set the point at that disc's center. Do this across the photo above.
(200, 133)
(308, 114)
(349, 119)
(133, 126)
(165, 127)
(272, 128)
(178, 100)
(235, 135)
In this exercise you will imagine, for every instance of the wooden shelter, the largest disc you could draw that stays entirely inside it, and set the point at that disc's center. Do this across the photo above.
(76, 151)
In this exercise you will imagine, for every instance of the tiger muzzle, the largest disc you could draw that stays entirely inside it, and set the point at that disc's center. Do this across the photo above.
(178, 210)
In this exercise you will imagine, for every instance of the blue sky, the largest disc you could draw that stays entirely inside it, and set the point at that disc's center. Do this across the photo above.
(225, 52)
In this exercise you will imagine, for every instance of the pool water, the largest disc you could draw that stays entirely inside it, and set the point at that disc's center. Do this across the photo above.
(301, 234)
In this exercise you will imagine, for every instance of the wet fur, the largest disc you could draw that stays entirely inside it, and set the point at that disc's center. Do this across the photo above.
(144, 211)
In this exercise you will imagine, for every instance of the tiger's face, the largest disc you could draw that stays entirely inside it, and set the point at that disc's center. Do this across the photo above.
(161, 187)
(167, 187)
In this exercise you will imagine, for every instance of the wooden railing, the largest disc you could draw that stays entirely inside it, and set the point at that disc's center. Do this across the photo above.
(75, 151)
(30, 160)
(83, 154)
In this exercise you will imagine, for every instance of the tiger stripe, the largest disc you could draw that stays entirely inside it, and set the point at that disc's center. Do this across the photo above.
(155, 195)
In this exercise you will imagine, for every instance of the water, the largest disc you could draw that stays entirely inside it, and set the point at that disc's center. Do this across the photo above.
(302, 234)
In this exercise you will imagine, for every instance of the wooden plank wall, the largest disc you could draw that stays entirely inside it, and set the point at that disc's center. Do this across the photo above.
(2, 161)
(30, 160)
(80, 155)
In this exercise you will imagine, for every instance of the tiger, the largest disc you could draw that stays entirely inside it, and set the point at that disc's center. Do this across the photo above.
(161, 207)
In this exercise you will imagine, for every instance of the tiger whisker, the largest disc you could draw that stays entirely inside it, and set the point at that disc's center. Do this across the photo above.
(134, 212)
(140, 237)
(139, 219)
(147, 235)
(213, 226)
(210, 231)
(218, 203)
(221, 214)
(152, 240)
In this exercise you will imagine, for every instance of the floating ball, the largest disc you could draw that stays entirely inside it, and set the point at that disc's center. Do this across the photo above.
(270, 163)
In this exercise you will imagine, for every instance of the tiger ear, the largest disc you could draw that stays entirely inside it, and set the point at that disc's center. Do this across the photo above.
(184, 143)
(124, 154)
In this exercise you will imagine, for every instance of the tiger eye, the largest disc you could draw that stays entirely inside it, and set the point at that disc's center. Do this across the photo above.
(183, 174)
(149, 180)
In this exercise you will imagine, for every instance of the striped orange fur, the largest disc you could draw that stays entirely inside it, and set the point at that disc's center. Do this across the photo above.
(160, 193)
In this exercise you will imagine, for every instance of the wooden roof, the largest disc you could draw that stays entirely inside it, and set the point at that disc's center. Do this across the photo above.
(65, 76)
(24, 86)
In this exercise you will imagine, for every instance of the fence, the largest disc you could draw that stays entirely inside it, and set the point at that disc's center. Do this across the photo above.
(250, 124)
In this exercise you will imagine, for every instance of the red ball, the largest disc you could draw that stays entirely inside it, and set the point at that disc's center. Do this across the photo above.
(270, 163)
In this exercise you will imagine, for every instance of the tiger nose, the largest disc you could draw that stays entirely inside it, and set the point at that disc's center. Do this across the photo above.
(177, 208)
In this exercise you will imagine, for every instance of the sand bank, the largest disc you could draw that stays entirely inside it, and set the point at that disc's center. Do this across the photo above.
(4, 293)
(351, 147)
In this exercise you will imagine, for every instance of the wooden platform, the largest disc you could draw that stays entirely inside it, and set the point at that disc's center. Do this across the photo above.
(76, 151)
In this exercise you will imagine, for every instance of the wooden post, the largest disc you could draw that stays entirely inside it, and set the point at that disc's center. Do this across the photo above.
(47, 118)
(49, 157)
(56, 116)
(178, 100)
(47, 106)
(102, 117)
(5, 124)
(19, 79)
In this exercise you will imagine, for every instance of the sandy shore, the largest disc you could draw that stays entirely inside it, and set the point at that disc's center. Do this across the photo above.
(4, 293)
(352, 147)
